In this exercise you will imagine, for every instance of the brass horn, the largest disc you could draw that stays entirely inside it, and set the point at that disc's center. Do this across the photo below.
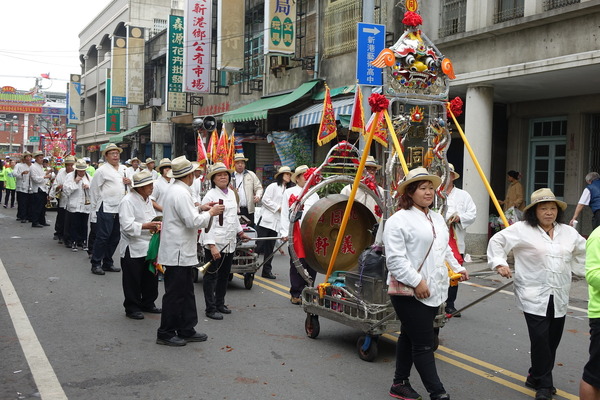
(204, 268)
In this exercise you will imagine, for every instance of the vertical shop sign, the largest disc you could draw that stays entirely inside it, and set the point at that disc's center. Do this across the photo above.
(135, 65)
(197, 45)
(230, 35)
(112, 114)
(118, 63)
(370, 42)
(176, 97)
(74, 100)
(280, 22)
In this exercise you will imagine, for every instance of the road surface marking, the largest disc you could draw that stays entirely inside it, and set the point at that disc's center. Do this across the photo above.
(45, 379)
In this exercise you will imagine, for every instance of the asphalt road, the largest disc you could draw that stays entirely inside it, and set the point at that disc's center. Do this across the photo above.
(64, 334)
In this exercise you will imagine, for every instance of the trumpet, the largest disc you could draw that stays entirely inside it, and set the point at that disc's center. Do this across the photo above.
(202, 269)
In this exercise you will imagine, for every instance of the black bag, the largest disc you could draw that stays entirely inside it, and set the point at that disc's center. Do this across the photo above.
(371, 262)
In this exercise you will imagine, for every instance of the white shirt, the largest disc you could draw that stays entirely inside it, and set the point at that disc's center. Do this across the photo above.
(197, 190)
(543, 265)
(181, 221)
(161, 186)
(134, 211)
(76, 194)
(226, 234)
(107, 188)
(460, 203)
(23, 184)
(407, 236)
(60, 180)
(38, 181)
(270, 214)
(585, 198)
(284, 225)
(238, 179)
(364, 198)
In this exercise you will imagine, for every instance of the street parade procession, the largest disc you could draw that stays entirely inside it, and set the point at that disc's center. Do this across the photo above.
(372, 236)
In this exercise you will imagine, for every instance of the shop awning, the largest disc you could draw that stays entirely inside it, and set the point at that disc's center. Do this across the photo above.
(259, 109)
(119, 138)
(103, 146)
(340, 91)
(313, 114)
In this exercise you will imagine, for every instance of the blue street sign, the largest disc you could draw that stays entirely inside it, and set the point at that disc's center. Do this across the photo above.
(371, 40)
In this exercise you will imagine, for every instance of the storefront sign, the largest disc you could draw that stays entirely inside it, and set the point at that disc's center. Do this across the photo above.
(280, 22)
(135, 65)
(117, 65)
(197, 46)
(176, 98)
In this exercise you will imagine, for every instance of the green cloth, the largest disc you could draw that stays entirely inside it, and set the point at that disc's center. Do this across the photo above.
(2, 175)
(11, 179)
(592, 273)
(153, 251)
(91, 170)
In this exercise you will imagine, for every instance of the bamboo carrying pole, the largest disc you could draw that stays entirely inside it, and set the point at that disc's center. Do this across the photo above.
(481, 174)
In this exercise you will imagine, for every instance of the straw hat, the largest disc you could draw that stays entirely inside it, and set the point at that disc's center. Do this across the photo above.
(456, 174)
(142, 178)
(134, 159)
(70, 160)
(418, 174)
(142, 166)
(165, 162)
(150, 160)
(181, 167)
(216, 168)
(87, 159)
(80, 165)
(299, 170)
(544, 195)
(38, 153)
(372, 163)
(111, 146)
(239, 157)
(283, 170)
(26, 153)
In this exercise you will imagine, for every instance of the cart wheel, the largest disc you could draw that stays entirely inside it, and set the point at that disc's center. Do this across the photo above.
(196, 275)
(367, 348)
(436, 338)
(311, 326)
(248, 280)
(230, 277)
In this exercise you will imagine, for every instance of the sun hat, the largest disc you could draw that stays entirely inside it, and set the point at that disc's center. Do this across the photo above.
(111, 146)
(543, 195)
(283, 170)
(418, 174)
(239, 157)
(70, 160)
(150, 160)
(301, 169)
(87, 159)
(142, 178)
(80, 165)
(372, 163)
(181, 167)
(38, 153)
(216, 168)
(456, 174)
(25, 153)
(165, 162)
(142, 166)
(134, 159)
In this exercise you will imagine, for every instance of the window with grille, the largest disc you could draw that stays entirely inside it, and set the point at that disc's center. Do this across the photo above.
(553, 4)
(339, 26)
(548, 150)
(158, 26)
(508, 9)
(453, 17)
(594, 143)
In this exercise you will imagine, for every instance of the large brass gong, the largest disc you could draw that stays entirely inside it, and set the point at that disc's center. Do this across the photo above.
(320, 228)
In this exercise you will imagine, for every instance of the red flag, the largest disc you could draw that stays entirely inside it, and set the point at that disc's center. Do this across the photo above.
(454, 246)
(328, 128)
(212, 145)
(380, 133)
(202, 156)
(45, 76)
(357, 121)
(222, 149)
(231, 150)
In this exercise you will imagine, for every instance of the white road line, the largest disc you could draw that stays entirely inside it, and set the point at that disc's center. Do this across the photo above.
(46, 380)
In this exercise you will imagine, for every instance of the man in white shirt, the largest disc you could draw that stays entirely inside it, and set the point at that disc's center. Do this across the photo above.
(108, 187)
(248, 187)
(136, 218)
(461, 214)
(589, 197)
(150, 165)
(162, 184)
(178, 254)
(39, 187)
(23, 188)
(57, 192)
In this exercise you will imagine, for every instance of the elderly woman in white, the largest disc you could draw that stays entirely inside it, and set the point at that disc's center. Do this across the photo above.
(546, 252)
(77, 189)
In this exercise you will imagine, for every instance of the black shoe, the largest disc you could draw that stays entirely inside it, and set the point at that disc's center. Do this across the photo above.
(36, 225)
(224, 310)
(452, 310)
(543, 394)
(74, 247)
(112, 268)
(214, 315)
(269, 275)
(135, 315)
(84, 246)
(97, 271)
(441, 396)
(532, 383)
(174, 341)
(60, 241)
(152, 310)
(18, 219)
(196, 337)
(404, 391)
(45, 224)
(55, 237)
(23, 221)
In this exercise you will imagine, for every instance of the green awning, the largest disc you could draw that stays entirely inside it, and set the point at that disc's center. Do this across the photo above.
(119, 138)
(103, 146)
(260, 108)
(335, 92)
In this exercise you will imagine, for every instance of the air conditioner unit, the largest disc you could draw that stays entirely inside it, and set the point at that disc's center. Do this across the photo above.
(155, 102)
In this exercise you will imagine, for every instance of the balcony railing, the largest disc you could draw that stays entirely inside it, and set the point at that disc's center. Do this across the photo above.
(554, 4)
(453, 17)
